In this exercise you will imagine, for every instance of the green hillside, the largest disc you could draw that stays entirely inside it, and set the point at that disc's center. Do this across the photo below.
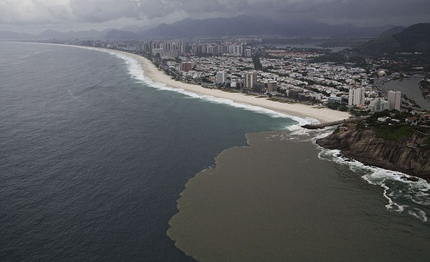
(415, 38)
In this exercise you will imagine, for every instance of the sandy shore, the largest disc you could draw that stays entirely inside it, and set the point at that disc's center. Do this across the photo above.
(323, 115)
(300, 110)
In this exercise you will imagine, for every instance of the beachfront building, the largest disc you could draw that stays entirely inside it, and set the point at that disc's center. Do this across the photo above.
(221, 77)
(356, 96)
(394, 98)
(379, 104)
(272, 87)
(250, 80)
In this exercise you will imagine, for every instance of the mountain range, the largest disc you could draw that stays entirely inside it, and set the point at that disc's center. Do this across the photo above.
(214, 27)
(415, 38)
(247, 26)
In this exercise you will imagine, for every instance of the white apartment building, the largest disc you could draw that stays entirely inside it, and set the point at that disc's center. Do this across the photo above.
(221, 77)
(356, 96)
(250, 80)
(394, 98)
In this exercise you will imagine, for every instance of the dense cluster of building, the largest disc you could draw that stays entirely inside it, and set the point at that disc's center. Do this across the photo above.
(167, 49)
(286, 73)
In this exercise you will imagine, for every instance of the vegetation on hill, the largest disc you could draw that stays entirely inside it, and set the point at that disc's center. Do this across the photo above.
(394, 132)
(415, 38)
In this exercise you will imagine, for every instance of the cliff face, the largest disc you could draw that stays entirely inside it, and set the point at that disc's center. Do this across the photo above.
(403, 155)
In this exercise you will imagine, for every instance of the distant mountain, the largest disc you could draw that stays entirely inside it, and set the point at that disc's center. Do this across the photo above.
(7, 35)
(247, 25)
(121, 35)
(72, 35)
(392, 31)
(140, 30)
(166, 31)
(217, 27)
(415, 38)
(51, 34)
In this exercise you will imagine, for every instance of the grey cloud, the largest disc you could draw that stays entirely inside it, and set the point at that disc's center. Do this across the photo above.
(25, 11)
(196, 6)
(100, 11)
(59, 12)
(153, 9)
(355, 8)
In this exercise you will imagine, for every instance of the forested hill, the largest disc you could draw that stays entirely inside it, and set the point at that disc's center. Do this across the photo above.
(415, 38)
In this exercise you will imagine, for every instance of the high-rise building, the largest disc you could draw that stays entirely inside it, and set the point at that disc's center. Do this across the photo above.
(272, 87)
(248, 53)
(379, 104)
(156, 51)
(181, 48)
(221, 77)
(356, 96)
(394, 98)
(210, 49)
(250, 80)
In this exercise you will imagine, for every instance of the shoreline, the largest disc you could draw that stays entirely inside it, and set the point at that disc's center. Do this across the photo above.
(306, 112)
(323, 115)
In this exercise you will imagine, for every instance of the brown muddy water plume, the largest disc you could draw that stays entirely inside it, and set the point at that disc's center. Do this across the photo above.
(276, 200)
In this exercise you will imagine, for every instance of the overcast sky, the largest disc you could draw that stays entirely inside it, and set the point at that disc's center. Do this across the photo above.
(38, 15)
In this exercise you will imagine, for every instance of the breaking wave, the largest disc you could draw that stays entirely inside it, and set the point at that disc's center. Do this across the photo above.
(135, 70)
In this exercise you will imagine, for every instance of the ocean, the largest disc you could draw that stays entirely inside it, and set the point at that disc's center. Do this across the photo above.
(98, 163)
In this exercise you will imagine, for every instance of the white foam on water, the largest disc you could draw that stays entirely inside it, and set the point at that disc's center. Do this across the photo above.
(398, 187)
(299, 133)
(136, 71)
(416, 191)
(418, 214)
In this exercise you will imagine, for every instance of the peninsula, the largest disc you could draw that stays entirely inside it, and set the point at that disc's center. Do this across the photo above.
(397, 141)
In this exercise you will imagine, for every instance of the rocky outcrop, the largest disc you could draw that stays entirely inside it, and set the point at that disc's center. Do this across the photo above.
(405, 155)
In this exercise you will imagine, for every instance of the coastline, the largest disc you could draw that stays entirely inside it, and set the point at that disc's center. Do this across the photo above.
(269, 200)
(323, 115)
(307, 112)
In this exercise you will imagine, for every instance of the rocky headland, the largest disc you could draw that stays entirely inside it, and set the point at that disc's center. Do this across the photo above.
(409, 154)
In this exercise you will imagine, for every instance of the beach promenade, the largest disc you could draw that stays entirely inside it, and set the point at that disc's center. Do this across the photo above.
(307, 112)
(323, 115)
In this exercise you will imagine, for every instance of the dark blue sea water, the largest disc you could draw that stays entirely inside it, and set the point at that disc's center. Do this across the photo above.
(92, 160)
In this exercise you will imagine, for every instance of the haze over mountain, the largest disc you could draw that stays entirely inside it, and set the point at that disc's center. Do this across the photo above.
(247, 25)
(415, 38)
(213, 27)
(392, 31)
(90, 34)
(121, 35)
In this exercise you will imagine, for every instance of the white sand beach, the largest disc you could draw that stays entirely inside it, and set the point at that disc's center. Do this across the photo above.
(321, 114)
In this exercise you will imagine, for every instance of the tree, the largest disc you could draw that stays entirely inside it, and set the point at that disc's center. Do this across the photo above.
(334, 106)
(343, 108)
